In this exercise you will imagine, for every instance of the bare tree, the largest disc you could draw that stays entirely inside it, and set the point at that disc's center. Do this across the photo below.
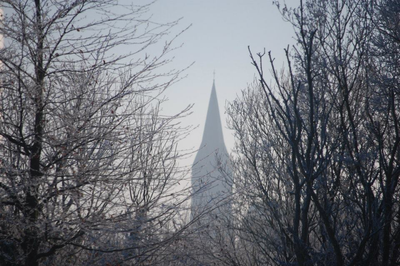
(319, 147)
(88, 166)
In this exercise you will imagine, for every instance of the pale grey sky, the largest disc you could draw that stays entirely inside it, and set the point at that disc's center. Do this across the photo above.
(218, 39)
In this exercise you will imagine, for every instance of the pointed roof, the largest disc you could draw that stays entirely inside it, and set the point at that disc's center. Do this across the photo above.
(208, 181)
(213, 138)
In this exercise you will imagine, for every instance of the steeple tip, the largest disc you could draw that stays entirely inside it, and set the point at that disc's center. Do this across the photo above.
(213, 80)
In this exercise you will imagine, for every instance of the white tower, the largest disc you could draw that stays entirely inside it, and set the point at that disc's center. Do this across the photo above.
(211, 165)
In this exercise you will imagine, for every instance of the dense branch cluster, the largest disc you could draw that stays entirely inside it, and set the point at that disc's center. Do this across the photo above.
(319, 147)
(88, 166)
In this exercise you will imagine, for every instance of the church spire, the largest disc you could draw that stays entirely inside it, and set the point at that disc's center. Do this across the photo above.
(213, 137)
(211, 160)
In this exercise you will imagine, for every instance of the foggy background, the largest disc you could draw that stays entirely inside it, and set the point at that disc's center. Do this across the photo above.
(218, 38)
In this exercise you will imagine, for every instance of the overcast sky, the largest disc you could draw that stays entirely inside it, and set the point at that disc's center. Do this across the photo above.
(218, 39)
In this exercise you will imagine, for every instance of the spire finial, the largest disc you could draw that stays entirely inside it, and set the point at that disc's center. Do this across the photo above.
(214, 75)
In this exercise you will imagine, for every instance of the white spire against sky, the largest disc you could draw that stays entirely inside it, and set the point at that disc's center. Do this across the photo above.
(218, 40)
(207, 180)
(212, 134)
